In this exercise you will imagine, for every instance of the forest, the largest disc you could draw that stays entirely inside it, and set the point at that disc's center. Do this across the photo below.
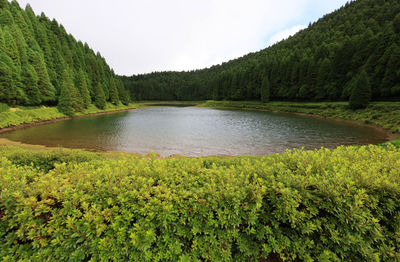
(351, 54)
(41, 64)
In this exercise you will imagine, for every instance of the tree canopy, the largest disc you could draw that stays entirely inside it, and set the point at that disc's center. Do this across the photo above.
(41, 64)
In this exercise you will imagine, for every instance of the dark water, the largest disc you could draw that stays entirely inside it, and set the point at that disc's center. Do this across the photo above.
(198, 131)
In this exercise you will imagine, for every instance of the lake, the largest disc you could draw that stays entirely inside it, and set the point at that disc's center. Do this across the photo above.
(193, 131)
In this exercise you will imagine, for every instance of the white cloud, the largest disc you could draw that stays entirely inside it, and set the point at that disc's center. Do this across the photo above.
(285, 34)
(157, 35)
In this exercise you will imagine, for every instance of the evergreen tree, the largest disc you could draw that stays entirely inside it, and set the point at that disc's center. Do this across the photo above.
(124, 95)
(82, 87)
(99, 97)
(30, 85)
(323, 79)
(361, 92)
(3, 4)
(47, 91)
(11, 47)
(396, 24)
(391, 79)
(6, 17)
(8, 87)
(20, 44)
(265, 90)
(113, 92)
(66, 100)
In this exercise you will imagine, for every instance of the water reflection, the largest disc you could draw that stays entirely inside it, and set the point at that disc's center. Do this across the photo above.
(198, 131)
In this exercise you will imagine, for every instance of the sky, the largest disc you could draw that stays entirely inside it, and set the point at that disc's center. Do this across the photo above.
(145, 36)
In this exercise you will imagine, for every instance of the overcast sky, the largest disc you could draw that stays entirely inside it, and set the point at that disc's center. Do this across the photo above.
(160, 35)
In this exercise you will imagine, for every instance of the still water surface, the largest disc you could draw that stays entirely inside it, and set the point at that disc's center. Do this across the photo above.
(195, 131)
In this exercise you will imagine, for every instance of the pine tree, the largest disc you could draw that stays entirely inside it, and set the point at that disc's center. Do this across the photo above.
(361, 92)
(124, 95)
(99, 97)
(3, 4)
(20, 44)
(47, 90)
(323, 79)
(11, 47)
(265, 90)
(66, 100)
(113, 92)
(82, 87)
(7, 84)
(396, 24)
(76, 96)
(6, 17)
(8, 75)
(30, 85)
(391, 79)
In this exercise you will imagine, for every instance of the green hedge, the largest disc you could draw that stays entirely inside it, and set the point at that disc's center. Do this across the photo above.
(327, 205)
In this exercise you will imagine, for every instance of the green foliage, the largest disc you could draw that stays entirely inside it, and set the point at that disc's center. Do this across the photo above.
(46, 160)
(113, 92)
(99, 98)
(66, 103)
(8, 85)
(30, 84)
(265, 90)
(46, 89)
(3, 107)
(28, 115)
(5, 17)
(326, 205)
(124, 95)
(27, 41)
(396, 24)
(361, 92)
(82, 87)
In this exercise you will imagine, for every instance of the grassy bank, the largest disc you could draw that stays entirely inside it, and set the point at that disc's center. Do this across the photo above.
(382, 114)
(325, 205)
(11, 117)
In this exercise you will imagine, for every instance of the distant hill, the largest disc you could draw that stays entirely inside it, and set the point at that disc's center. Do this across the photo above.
(354, 50)
(41, 64)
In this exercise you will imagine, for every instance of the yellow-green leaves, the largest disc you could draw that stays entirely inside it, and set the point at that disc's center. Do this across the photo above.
(326, 205)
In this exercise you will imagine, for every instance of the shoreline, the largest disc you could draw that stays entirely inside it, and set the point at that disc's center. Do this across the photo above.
(389, 134)
(44, 122)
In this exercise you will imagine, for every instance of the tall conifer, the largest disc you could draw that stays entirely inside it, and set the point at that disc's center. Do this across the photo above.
(83, 89)
(30, 85)
(361, 92)
(47, 91)
(99, 97)
(66, 99)
(113, 92)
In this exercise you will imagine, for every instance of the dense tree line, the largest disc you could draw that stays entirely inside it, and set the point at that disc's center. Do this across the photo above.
(41, 64)
(357, 44)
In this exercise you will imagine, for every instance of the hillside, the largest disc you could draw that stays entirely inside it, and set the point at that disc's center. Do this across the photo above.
(355, 46)
(41, 64)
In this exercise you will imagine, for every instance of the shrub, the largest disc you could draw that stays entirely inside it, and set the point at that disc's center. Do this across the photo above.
(329, 205)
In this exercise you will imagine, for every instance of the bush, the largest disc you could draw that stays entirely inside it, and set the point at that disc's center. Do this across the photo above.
(3, 107)
(329, 205)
